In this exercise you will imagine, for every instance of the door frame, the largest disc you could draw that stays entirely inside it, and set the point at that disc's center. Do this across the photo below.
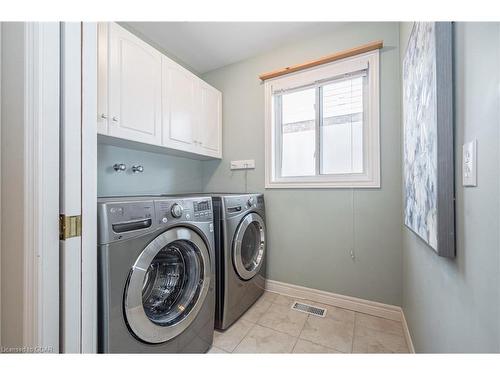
(89, 187)
(41, 186)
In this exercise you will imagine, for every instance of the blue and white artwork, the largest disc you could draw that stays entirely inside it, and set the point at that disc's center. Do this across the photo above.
(420, 134)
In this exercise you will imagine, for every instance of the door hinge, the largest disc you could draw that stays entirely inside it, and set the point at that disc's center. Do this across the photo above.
(69, 226)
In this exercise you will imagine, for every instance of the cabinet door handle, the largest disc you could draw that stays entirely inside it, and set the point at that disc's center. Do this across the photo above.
(115, 119)
(104, 116)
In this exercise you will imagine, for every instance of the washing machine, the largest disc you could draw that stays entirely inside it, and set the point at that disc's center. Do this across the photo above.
(156, 275)
(240, 243)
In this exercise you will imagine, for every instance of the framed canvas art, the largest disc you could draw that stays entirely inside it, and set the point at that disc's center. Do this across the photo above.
(429, 189)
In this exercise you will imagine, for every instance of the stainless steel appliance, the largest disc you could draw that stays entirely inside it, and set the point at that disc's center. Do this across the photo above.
(156, 274)
(240, 243)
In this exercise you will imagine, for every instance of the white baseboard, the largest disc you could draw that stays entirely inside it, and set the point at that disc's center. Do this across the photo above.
(406, 331)
(351, 303)
(381, 310)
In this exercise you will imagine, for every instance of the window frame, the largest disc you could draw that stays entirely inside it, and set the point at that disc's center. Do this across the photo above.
(313, 77)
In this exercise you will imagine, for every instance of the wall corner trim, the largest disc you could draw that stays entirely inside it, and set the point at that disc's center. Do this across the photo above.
(364, 306)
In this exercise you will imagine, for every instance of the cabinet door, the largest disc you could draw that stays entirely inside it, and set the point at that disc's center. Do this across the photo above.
(179, 107)
(210, 126)
(102, 78)
(134, 88)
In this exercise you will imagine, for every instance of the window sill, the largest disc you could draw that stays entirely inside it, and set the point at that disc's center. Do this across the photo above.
(323, 185)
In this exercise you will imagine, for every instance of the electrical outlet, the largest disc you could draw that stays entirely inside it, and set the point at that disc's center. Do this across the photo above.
(242, 164)
(469, 163)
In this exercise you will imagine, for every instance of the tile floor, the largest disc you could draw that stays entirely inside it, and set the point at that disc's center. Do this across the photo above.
(270, 326)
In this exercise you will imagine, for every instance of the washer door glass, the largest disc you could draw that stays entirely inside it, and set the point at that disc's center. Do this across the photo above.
(167, 285)
(249, 246)
(172, 283)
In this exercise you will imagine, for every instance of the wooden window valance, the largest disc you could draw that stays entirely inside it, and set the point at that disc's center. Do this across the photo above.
(324, 60)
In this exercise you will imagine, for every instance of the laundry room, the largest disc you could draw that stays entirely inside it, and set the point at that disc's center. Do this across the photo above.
(341, 255)
(190, 186)
(318, 269)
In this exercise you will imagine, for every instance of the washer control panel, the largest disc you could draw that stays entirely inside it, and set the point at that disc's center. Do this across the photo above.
(203, 209)
(120, 220)
(198, 210)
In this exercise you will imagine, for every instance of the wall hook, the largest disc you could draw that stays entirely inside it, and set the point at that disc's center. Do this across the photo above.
(137, 168)
(353, 256)
(119, 167)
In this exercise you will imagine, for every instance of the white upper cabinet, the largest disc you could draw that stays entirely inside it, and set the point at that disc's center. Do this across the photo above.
(179, 94)
(134, 88)
(129, 96)
(146, 97)
(209, 132)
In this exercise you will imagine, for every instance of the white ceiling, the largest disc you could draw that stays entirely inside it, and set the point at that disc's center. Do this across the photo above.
(205, 46)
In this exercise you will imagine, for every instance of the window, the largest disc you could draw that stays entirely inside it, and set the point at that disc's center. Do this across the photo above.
(322, 126)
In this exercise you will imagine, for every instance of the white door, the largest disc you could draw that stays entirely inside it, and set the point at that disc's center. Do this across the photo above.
(209, 129)
(134, 88)
(179, 107)
(70, 186)
(78, 187)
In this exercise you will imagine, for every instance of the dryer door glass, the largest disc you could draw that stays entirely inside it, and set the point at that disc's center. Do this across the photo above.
(167, 285)
(249, 246)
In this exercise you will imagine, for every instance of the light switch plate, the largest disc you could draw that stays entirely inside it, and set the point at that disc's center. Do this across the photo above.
(242, 164)
(469, 163)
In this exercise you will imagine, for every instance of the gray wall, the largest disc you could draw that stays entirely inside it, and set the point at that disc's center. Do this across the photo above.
(162, 173)
(453, 305)
(309, 230)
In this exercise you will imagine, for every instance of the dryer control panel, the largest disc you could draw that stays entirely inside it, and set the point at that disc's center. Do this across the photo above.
(237, 204)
